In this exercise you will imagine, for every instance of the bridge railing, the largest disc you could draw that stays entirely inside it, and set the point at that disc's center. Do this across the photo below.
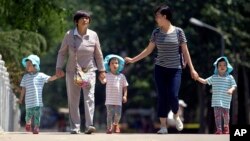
(9, 109)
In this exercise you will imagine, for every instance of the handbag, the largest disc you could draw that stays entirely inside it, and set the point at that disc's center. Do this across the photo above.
(82, 78)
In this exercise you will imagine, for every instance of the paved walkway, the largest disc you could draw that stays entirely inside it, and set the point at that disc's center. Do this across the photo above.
(60, 136)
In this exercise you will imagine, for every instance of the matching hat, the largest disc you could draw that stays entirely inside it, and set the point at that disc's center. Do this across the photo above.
(120, 59)
(34, 59)
(229, 67)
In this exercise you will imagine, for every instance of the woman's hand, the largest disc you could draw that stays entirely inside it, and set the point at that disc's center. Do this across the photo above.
(194, 74)
(102, 76)
(59, 73)
(128, 60)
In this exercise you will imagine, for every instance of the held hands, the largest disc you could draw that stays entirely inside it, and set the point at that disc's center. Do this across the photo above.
(59, 73)
(194, 74)
(102, 77)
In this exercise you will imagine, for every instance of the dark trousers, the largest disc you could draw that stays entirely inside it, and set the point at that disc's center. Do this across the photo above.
(168, 83)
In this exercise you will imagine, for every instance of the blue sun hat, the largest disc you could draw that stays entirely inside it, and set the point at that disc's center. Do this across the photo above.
(34, 59)
(120, 59)
(229, 67)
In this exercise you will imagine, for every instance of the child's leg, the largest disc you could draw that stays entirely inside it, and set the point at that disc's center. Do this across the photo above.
(217, 118)
(28, 116)
(109, 116)
(117, 117)
(226, 117)
(37, 116)
(28, 119)
(118, 112)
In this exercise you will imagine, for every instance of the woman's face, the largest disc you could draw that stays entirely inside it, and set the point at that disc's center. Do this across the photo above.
(160, 19)
(82, 22)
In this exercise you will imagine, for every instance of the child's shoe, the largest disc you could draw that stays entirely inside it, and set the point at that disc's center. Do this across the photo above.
(109, 131)
(28, 127)
(226, 130)
(116, 128)
(218, 131)
(36, 130)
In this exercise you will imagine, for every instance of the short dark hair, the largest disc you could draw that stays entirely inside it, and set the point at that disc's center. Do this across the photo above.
(81, 13)
(164, 10)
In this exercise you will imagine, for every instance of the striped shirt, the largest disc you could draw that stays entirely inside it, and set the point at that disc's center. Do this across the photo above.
(114, 88)
(220, 86)
(34, 86)
(168, 53)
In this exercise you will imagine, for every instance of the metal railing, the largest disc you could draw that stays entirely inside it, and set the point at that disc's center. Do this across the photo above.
(9, 109)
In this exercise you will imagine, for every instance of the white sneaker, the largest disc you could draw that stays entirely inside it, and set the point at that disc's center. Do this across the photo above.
(90, 130)
(179, 124)
(163, 130)
(75, 131)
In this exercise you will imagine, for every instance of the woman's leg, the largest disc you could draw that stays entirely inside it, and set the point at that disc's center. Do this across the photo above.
(89, 102)
(163, 107)
(73, 93)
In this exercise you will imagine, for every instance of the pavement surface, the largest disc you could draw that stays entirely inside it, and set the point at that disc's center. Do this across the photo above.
(65, 136)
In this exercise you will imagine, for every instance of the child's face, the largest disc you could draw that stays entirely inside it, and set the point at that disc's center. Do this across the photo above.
(222, 67)
(114, 64)
(30, 67)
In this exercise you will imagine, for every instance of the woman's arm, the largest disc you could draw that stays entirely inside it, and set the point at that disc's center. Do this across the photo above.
(188, 60)
(148, 50)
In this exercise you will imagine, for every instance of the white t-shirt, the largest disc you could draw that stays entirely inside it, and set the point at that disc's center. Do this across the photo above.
(114, 88)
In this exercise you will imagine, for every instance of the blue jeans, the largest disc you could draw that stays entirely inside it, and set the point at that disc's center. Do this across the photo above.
(168, 83)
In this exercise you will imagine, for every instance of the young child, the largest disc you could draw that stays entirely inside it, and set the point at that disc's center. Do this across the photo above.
(223, 85)
(32, 85)
(116, 91)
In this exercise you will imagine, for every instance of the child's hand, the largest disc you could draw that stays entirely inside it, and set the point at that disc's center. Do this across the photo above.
(19, 101)
(103, 80)
(124, 99)
(230, 91)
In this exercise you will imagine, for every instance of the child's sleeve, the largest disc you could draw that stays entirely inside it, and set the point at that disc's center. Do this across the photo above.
(209, 80)
(233, 82)
(125, 82)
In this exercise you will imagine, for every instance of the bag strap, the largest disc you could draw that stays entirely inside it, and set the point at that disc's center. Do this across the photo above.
(75, 49)
(180, 47)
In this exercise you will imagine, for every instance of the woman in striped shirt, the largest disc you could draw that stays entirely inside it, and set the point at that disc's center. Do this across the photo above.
(168, 40)
(223, 85)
